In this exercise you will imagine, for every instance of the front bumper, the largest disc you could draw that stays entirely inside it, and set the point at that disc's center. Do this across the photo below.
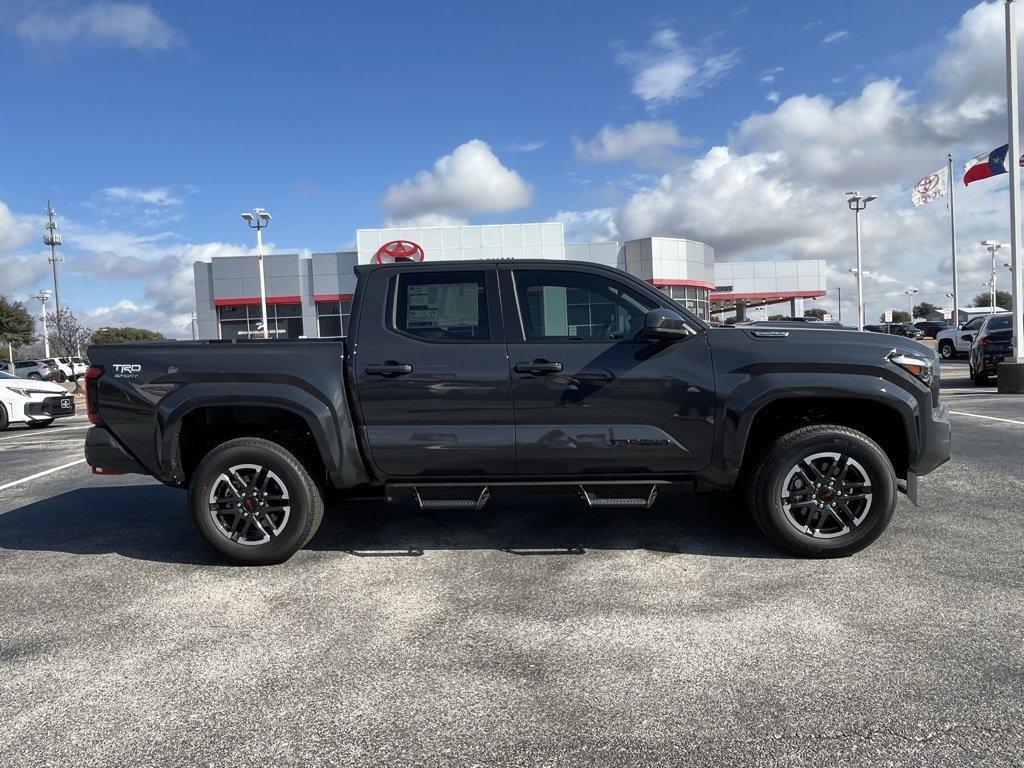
(51, 407)
(106, 456)
(936, 440)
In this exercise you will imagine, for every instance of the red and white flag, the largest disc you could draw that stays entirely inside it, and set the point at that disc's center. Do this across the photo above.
(932, 186)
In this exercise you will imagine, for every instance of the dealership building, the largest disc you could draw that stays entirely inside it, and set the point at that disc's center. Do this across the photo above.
(311, 294)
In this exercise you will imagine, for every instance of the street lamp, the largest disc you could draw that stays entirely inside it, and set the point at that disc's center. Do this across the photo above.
(992, 247)
(42, 297)
(259, 222)
(857, 203)
(910, 292)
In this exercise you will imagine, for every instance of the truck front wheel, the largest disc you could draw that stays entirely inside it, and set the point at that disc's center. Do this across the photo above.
(254, 502)
(823, 491)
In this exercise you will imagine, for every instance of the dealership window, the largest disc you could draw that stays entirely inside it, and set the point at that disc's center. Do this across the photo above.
(693, 297)
(245, 321)
(577, 306)
(332, 318)
(442, 306)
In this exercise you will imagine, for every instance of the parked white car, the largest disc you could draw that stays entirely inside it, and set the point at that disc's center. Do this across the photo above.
(36, 403)
(63, 365)
(79, 365)
(957, 341)
(34, 369)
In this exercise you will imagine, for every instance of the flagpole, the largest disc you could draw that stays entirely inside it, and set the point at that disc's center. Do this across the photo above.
(1010, 373)
(954, 318)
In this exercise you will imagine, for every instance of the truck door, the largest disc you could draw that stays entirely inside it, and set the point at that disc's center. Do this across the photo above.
(591, 397)
(431, 372)
(964, 336)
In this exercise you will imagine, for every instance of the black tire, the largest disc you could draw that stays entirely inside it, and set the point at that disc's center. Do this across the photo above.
(34, 376)
(305, 500)
(764, 494)
(946, 350)
(3, 418)
(35, 424)
(980, 378)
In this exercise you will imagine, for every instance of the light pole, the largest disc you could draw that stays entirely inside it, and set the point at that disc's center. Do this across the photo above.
(860, 294)
(259, 222)
(1011, 370)
(839, 288)
(42, 297)
(992, 247)
(857, 203)
(52, 238)
(910, 292)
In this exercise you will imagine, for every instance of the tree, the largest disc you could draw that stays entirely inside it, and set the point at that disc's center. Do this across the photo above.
(817, 312)
(777, 317)
(1003, 300)
(898, 316)
(127, 333)
(16, 324)
(67, 335)
(924, 309)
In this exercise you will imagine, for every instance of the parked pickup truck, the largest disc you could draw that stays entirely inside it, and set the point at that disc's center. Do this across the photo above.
(463, 380)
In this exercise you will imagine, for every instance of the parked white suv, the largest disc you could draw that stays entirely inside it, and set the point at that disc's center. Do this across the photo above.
(40, 370)
(957, 341)
(63, 365)
(36, 403)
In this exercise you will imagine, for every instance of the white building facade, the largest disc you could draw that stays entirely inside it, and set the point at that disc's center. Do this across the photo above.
(311, 295)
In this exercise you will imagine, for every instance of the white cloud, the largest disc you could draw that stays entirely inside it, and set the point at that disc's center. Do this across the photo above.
(156, 196)
(775, 190)
(593, 226)
(128, 25)
(666, 71)
(526, 146)
(769, 75)
(650, 142)
(773, 97)
(832, 37)
(470, 180)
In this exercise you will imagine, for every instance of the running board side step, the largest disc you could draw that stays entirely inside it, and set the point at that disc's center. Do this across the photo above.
(429, 502)
(595, 499)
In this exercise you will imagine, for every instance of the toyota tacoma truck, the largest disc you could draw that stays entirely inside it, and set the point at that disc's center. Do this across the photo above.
(459, 381)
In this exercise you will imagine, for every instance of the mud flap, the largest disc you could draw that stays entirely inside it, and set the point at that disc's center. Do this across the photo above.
(909, 487)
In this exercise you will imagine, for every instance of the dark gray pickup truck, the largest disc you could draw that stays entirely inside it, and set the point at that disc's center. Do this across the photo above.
(463, 380)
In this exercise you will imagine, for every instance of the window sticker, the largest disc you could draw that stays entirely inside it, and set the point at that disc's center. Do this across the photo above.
(446, 305)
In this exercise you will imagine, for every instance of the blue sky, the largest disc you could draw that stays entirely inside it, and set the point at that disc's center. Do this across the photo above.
(152, 125)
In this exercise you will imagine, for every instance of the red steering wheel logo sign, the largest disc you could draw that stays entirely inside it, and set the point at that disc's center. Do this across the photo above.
(399, 250)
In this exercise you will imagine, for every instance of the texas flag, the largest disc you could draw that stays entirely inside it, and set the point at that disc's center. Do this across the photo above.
(989, 164)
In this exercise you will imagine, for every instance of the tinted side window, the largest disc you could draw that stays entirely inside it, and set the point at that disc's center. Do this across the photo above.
(974, 324)
(577, 306)
(441, 306)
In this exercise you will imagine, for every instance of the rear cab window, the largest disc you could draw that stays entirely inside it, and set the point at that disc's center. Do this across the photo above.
(442, 306)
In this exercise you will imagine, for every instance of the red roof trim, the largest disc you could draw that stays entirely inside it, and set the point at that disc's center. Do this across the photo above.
(695, 283)
(780, 295)
(243, 300)
(333, 297)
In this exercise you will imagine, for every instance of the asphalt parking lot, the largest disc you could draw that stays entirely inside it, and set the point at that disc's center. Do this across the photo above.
(531, 633)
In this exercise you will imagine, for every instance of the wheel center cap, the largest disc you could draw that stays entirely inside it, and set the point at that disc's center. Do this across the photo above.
(827, 494)
(249, 504)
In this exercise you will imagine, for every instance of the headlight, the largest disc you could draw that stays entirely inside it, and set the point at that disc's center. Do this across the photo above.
(920, 367)
(30, 392)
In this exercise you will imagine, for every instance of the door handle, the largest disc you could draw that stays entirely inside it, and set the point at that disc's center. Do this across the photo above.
(538, 367)
(390, 368)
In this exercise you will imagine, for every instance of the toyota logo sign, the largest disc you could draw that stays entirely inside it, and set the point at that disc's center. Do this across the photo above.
(399, 250)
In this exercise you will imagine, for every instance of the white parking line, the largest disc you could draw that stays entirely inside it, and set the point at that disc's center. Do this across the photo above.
(40, 474)
(989, 418)
(44, 433)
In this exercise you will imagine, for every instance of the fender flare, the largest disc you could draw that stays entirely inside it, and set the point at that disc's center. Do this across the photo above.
(323, 419)
(749, 399)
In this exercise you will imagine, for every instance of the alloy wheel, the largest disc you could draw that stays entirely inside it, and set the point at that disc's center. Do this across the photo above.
(249, 504)
(826, 495)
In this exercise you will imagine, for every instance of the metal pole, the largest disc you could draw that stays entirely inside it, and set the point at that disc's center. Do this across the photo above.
(263, 284)
(46, 337)
(992, 303)
(840, 289)
(860, 275)
(53, 240)
(10, 353)
(952, 236)
(1014, 381)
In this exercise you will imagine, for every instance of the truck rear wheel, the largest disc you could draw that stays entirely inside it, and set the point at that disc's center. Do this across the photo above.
(254, 501)
(823, 491)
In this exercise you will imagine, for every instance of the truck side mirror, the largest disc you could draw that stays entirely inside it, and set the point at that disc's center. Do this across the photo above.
(665, 324)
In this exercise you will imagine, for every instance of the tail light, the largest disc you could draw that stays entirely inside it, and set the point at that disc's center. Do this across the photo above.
(983, 341)
(91, 395)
